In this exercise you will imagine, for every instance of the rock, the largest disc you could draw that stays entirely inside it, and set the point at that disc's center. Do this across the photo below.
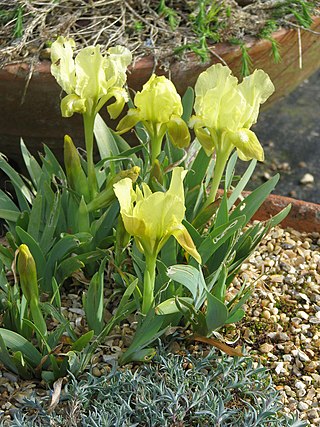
(299, 385)
(303, 315)
(96, 372)
(307, 179)
(312, 414)
(278, 337)
(302, 164)
(266, 314)
(302, 406)
(266, 348)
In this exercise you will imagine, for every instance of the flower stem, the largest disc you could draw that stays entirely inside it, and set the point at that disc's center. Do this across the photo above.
(88, 121)
(221, 160)
(156, 143)
(148, 283)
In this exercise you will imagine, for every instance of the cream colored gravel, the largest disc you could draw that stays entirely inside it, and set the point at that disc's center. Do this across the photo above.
(282, 323)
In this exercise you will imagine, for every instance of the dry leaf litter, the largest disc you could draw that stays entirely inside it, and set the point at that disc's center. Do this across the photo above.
(132, 23)
(281, 327)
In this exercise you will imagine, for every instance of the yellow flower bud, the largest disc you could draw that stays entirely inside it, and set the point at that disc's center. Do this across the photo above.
(28, 274)
(75, 175)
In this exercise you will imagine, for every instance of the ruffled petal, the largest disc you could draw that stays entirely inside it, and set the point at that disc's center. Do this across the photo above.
(91, 82)
(63, 66)
(125, 194)
(247, 144)
(72, 104)
(184, 239)
(128, 121)
(178, 132)
(118, 60)
(121, 97)
(158, 100)
(256, 89)
(205, 140)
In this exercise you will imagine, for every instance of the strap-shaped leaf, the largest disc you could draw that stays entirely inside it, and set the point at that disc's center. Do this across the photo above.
(230, 171)
(32, 165)
(198, 168)
(241, 184)
(105, 141)
(82, 342)
(47, 238)
(169, 306)
(217, 313)
(93, 300)
(35, 218)
(222, 216)
(6, 203)
(35, 249)
(5, 357)
(23, 193)
(147, 332)
(16, 342)
(9, 215)
(249, 206)
(236, 316)
(219, 236)
(276, 219)
(52, 165)
(190, 277)
(187, 103)
(57, 253)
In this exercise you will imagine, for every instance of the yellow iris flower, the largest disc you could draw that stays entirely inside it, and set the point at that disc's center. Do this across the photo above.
(159, 108)
(153, 217)
(225, 111)
(90, 79)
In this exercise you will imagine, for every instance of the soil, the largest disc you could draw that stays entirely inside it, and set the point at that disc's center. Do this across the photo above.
(28, 28)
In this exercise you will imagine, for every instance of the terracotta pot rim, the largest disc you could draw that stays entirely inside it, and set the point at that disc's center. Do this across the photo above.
(147, 62)
(303, 216)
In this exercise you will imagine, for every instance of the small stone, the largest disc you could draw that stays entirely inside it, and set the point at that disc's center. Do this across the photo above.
(316, 378)
(302, 406)
(302, 164)
(266, 314)
(96, 372)
(312, 414)
(279, 368)
(278, 337)
(311, 367)
(314, 320)
(303, 315)
(266, 176)
(301, 393)
(276, 278)
(266, 348)
(307, 179)
(299, 385)
(302, 356)
(287, 357)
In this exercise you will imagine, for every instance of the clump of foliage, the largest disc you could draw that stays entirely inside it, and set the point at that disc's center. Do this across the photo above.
(152, 212)
(173, 390)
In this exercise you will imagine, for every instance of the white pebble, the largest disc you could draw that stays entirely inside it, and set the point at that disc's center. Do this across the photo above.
(303, 315)
(302, 406)
(299, 385)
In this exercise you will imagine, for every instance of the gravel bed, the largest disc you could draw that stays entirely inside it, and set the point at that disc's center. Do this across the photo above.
(281, 327)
